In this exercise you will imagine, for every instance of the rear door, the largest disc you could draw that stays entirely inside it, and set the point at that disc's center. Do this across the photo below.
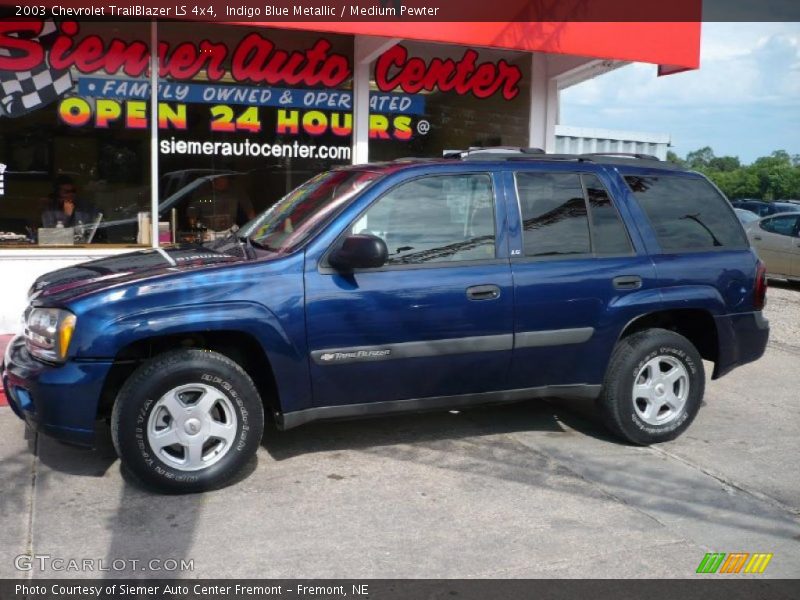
(577, 271)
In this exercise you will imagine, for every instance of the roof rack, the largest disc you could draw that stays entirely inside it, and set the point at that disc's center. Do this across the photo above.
(624, 155)
(514, 153)
(492, 152)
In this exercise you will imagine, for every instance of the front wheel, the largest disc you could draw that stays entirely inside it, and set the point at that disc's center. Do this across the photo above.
(187, 421)
(653, 388)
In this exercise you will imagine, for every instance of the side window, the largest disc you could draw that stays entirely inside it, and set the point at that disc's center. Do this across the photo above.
(687, 213)
(781, 225)
(609, 235)
(554, 215)
(435, 219)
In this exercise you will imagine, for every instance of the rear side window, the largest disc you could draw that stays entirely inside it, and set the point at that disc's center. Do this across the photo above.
(554, 217)
(568, 214)
(687, 213)
(786, 225)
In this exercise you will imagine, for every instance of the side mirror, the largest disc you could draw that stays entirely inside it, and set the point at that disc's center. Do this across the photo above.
(360, 251)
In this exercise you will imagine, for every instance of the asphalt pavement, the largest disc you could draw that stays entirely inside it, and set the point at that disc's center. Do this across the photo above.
(536, 489)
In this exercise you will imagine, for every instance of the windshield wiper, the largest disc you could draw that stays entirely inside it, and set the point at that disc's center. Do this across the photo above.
(251, 243)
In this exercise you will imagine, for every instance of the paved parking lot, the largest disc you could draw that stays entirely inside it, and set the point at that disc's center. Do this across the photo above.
(532, 490)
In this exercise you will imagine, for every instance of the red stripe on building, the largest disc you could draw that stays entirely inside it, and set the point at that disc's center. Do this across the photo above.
(4, 340)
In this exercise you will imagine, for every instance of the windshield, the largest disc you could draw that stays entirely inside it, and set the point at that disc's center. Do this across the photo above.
(290, 221)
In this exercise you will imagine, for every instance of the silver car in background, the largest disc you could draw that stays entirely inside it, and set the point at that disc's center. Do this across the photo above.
(776, 239)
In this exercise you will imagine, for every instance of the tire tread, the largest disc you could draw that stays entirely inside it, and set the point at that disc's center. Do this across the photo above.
(612, 395)
(166, 361)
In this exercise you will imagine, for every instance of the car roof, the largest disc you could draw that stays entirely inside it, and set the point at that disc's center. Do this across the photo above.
(501, 159)
(788, 213)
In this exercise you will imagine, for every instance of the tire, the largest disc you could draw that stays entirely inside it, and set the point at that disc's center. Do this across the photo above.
(668, 373)
(187, 421)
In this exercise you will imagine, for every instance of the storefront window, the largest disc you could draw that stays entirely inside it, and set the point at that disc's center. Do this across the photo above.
(430, 98)
(245, 115)
(248, 114)
(74, 157)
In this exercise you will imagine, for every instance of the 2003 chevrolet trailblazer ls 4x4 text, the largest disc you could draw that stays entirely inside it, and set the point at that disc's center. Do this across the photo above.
(412, 285)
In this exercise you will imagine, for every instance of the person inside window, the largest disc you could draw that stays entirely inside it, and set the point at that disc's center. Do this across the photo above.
(65, 208)
(220, 205)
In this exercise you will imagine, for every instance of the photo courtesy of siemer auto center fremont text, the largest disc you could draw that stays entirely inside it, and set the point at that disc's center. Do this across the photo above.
(399, 299)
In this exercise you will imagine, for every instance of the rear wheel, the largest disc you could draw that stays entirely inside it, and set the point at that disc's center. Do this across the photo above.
(187, 421)
(653, 388)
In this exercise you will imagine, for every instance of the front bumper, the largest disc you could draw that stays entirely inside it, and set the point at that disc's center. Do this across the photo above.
(742, 339)
(59, 400)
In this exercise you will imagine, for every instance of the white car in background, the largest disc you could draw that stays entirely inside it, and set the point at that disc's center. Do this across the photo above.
(745, 216)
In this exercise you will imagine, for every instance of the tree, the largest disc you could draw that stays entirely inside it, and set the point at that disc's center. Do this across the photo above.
(782, 156)
(724, 163)
(700, 159)
(674, 158)
(772, 177)
(777, 176)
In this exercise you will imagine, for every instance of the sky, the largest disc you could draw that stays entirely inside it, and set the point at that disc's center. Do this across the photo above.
(743, 101)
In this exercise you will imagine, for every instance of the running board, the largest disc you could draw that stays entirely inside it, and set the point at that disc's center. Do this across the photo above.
(374, 409)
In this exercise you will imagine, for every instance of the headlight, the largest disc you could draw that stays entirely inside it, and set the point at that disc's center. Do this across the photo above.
(48, 332)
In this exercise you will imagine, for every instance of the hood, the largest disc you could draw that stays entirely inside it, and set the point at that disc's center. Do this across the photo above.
(69, 283)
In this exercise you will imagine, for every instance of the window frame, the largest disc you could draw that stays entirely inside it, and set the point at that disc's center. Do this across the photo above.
(325, 268)
(583, 255)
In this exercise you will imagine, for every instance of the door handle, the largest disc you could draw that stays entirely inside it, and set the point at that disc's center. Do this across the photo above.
(483, 292)
(757, 237)
(627, 282)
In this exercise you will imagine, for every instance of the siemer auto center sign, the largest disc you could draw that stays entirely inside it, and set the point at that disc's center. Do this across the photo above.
(100, 82)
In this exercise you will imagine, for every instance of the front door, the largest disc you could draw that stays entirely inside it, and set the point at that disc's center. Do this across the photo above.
(436, 320)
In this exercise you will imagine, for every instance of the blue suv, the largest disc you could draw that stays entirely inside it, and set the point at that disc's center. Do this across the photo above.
(406, 286)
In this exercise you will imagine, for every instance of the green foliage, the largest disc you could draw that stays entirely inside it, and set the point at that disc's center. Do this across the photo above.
(773, 177)
(674, 158)
(700, 159)
(724, 163)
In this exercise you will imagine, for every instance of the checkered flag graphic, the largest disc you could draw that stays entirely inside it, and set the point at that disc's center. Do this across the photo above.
(24, 91)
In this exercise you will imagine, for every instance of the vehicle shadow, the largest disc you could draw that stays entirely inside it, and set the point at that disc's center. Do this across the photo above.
(76, 460)
(556, 417)
(570, 448)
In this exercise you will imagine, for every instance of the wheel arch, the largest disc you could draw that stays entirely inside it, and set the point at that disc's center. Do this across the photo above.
(239, 346)
(695, 324)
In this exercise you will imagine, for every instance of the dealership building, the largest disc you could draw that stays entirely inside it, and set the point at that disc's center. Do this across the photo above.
(246, 112)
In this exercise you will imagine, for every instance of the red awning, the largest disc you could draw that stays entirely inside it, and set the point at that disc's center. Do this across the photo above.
(673, 46)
